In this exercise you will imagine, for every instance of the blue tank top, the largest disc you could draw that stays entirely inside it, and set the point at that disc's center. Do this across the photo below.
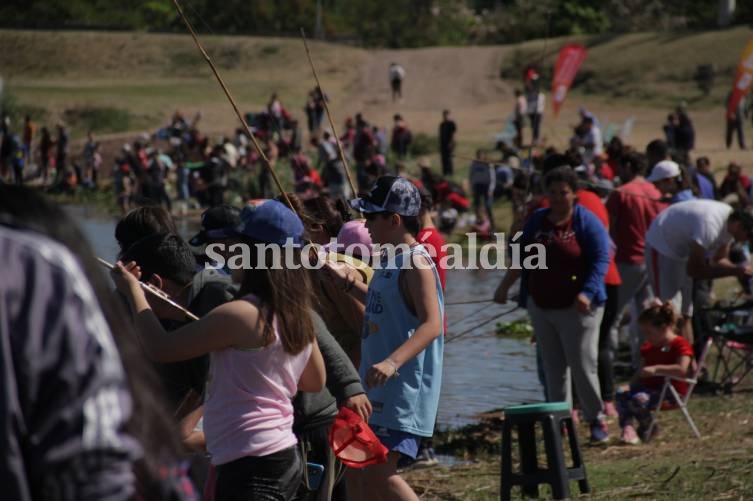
(409, 402)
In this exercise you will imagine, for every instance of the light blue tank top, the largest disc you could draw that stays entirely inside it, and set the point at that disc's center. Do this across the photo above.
(409, 402)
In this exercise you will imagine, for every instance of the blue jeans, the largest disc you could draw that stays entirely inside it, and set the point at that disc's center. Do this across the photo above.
(636, 403)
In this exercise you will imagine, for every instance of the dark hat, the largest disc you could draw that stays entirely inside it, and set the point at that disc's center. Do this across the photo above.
(271, 223)
(216, 223)
(390, 194)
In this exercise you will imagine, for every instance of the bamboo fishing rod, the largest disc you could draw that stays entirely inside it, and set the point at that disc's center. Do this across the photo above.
(329, 116)
(209, 61)
(158, 293)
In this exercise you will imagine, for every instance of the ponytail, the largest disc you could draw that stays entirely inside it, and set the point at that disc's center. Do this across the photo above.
(659, 315)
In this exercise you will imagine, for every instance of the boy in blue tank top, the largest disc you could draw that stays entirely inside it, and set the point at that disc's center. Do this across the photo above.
(403, 334)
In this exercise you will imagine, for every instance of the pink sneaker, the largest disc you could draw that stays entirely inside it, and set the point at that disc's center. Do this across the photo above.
(629, 436)
(610, 410)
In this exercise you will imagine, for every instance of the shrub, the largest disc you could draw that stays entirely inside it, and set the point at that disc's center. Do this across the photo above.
(100, 119)
(423, 144)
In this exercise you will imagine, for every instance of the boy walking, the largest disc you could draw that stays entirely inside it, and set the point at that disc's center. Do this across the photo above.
(403, 341)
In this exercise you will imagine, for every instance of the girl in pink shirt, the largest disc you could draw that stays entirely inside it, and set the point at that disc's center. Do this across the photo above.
(263, 350)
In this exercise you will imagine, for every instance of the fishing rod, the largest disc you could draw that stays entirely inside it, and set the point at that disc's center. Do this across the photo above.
(158, 293)
(476, 312)
(481, 324)
(329, 115)
(477, 301)
(246, 128)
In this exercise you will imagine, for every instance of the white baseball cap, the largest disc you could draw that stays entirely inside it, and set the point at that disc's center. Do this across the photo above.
(666, 169)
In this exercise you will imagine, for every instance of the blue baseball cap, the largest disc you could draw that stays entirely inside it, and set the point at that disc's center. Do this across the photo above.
(271, 223)
(390, 194)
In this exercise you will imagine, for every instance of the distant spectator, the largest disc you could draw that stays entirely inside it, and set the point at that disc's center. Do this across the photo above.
(685, 135)
(519, 115)
(397, 75)
(45, 152)
(736, 183)
(670, 131)
(735, 124)
(447, 131)
(482, 178)
(61, 155)
(30, 128)
(401, 137)
(709, 189)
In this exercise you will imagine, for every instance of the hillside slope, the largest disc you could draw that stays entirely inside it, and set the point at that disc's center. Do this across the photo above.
(150, 75)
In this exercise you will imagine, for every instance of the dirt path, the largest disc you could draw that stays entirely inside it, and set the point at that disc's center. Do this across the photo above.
(464, 80)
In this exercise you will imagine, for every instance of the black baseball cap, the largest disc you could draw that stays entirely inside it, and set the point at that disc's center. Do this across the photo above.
(217, 223)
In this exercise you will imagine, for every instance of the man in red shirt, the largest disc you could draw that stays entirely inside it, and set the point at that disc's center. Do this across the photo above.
(632, 208)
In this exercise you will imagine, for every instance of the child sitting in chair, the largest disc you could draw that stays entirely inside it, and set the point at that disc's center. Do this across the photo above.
(663, 354)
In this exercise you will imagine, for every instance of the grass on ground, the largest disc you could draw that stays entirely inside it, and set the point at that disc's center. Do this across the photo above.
(675, 465)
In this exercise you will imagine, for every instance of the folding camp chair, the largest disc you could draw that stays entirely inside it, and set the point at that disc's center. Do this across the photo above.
(681, 402)
(735, 356)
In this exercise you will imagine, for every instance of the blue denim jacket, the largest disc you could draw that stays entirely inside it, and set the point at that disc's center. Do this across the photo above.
(592, 238)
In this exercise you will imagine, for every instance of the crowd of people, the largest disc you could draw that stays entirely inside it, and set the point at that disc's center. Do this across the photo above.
(117, 393)
(242, 399)
(620, 228)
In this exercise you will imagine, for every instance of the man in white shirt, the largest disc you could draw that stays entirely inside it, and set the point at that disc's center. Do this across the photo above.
(397, 75)
(692, 240)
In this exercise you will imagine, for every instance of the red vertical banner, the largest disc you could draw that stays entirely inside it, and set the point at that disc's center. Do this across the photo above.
(743, 79)
(568, 62)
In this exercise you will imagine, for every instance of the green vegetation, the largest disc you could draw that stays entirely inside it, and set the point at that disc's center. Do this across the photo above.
(397, 23)
(673, 466)
(521, 329)
(17, 111)
(423, 144)
(101, 119)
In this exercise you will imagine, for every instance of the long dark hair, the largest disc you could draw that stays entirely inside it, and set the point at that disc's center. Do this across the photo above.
(317, 211)
(150, 423)
(285, 294)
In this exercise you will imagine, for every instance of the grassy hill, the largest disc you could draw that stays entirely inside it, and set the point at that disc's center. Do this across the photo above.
(150, 75)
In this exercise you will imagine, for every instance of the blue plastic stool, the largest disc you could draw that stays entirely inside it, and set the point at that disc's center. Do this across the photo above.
(551, 417)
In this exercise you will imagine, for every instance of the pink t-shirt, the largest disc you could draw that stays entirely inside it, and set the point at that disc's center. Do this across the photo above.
(633, 207)
(248, 410)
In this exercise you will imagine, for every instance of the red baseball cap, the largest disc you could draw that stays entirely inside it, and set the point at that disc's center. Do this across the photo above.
(354, 443)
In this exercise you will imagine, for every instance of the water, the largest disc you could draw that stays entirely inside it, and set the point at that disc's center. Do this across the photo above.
(481, 371)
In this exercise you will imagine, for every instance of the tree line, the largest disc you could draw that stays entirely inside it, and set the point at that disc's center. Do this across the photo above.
(392, 23)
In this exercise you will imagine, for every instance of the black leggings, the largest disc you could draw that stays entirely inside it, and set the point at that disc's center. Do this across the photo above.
(606, 345)
(275, 477)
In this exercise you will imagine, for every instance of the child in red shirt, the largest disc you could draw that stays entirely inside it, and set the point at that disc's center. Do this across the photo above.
(663, 354)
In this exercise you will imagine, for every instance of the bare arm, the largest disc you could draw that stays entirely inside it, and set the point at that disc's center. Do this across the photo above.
(511, 276)
(680, 369)
(420, 284)
(233, 324)
(718, 267)
(191, 438)
(314, 375)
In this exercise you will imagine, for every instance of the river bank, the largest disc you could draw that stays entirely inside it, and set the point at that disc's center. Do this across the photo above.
(675, 465)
